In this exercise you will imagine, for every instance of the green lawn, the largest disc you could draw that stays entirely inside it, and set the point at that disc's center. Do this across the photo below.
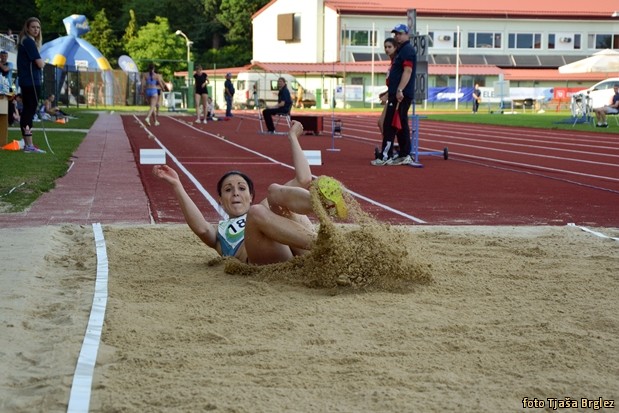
(547, 120)
(25, 176)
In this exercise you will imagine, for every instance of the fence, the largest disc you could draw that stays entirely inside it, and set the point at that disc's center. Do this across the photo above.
(91, 88)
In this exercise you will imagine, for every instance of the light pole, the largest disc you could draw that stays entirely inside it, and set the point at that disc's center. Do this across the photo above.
(189, 68)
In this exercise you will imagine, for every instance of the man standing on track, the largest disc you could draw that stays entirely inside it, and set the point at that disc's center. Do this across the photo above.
(228, 94)
(401, 92)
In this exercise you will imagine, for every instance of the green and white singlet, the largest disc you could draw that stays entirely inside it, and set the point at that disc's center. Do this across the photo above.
(231, 234)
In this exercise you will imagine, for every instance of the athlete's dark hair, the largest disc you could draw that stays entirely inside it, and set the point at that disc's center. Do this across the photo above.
(250, 183)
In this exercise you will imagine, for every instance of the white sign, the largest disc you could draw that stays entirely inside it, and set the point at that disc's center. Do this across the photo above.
(81, 65)
(152, 157)
(313, 157)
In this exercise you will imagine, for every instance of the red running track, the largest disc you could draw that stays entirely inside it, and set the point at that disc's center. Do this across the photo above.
(494, 175)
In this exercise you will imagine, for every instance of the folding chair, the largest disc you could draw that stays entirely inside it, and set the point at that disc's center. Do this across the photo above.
(285, 116)
(278, 117)
(528, 104)
(613, 115)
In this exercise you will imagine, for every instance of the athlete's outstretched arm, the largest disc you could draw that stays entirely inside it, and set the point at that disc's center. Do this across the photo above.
(303, 174)
(204, 230)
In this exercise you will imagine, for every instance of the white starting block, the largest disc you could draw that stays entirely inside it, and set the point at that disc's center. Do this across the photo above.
(152, 157)
(313, 157)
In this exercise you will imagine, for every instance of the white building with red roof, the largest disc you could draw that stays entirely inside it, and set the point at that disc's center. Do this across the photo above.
(328, 42)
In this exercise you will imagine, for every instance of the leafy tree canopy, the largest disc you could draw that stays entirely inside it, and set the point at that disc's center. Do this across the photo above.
(220, 30)
(156, 43)
(102, 37)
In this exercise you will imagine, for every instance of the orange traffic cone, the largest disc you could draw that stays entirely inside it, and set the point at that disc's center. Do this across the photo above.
(61, 120)
(13, 146)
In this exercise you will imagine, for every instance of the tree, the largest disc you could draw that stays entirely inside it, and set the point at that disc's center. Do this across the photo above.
(15, 14)
(102, 37)
(131, 32)
(227, 56)
(235, 15)
(156, 43)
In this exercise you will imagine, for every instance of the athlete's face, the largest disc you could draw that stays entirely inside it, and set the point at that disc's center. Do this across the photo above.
(235, 196)
(389, 48)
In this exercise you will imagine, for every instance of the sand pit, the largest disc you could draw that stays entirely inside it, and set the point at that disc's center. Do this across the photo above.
(508, 313)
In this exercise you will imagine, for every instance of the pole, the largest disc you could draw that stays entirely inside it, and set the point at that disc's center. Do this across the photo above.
(190, 101)
(373, 40)
(188, 42)
(215, 86)
(457, 63)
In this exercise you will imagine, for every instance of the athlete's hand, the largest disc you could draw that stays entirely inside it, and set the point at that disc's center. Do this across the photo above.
(166, 173)
(296, 128)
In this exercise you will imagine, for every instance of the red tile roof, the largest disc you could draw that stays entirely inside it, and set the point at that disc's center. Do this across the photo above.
(550, 75)
(339, 69)
(603, 9)
(464, 70)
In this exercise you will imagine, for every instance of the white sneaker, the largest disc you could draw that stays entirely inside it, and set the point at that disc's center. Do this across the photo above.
(198, 120)
(157, 123)
(205, 121)
(402, 160)
(380, 162)
(147, 120)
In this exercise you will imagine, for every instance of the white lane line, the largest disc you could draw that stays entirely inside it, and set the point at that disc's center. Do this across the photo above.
(192, 178)
(79, 398)
(561, 158)
(526, 165)
(590, 231)
(543, 168)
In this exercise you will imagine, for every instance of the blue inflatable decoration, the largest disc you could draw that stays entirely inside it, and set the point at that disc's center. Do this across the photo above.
(72, 53)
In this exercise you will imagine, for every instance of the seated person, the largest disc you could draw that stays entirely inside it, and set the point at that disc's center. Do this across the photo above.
(15, 107)
(284, 103)
(613, 108)
(210, 110)
(49, 107)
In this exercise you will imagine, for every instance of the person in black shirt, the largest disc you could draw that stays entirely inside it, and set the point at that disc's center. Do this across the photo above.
(476, 98)
(284, 103)
(228, 94)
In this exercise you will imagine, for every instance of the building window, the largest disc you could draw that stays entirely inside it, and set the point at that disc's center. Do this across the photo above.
(524, 41)
(441, 81)
(604, 41)
(358, 37)
(289, 27)
(564, 41)
(484, 40)
(577, 41)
